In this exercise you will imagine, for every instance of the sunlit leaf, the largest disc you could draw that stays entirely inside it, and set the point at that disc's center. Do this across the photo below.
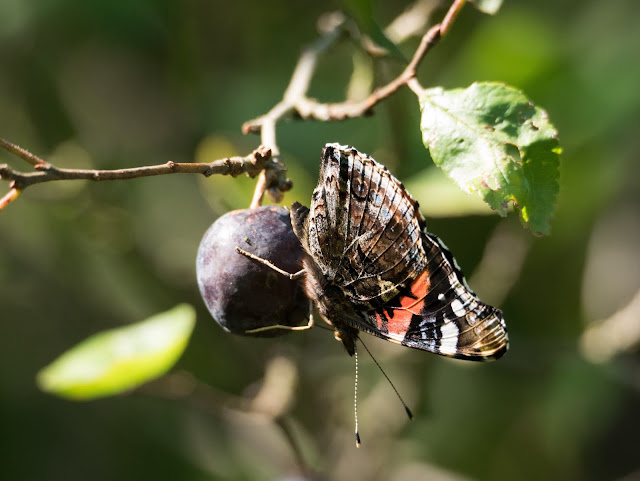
(490, 139)
(118, 360)
(487, 6)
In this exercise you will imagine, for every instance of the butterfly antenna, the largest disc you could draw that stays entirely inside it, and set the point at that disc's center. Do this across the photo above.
(406, 408)
(355, 398)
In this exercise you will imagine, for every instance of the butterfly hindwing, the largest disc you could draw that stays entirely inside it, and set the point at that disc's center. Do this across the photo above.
(439, 313)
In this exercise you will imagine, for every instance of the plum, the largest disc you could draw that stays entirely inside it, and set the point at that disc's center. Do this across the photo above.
(241, 293)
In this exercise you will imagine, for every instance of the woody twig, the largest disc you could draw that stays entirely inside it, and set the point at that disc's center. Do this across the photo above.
(296, 103)
(264, 162)
(252, 165)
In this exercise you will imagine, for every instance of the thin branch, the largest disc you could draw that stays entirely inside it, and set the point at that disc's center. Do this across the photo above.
(295, 99)
(451, 15)
(22, 153)
(258, 192)
(273, 180)
(265, 160)
(412, 22)
(252, 165)
(310, 109)
(9, 197)
(415, 86)
(299, 83)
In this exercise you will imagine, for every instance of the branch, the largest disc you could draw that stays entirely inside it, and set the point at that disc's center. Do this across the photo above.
(9, 197)
(266, 159)
(274, 179)
(296, 101)
(22, 153)
(251, 165)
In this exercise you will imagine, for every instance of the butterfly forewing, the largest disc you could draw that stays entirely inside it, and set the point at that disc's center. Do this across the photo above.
(376, 228)
(361, 184)
(329, 213)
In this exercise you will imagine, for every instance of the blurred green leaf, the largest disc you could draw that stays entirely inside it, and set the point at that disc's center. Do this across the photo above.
(361, 11)
(439, 196)
(490, 139)
(487, 6)
(117, 360)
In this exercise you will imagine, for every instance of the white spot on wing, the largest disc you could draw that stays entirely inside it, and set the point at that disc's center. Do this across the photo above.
(449, 340)
(458, 308)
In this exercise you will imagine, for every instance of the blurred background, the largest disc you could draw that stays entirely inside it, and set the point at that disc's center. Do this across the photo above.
(114, 84)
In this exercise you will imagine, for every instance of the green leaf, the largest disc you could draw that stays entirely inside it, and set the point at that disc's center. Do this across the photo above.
(118, 360)
(490, 139)
(361, 11)
(487, 6)
(440, 197)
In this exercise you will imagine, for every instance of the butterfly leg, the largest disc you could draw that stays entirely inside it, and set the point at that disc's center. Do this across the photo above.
(294, 276)
(291, 276)
(309, 324)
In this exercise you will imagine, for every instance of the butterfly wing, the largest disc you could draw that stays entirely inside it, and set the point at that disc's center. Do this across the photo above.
(438, 312)
(366, 239)
(364, 229)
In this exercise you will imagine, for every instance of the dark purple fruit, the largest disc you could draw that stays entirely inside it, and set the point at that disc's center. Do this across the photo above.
(241, 293)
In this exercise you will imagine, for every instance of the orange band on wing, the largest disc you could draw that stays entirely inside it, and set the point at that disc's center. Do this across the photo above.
(421, 286)
(398, 325)
(419, 290)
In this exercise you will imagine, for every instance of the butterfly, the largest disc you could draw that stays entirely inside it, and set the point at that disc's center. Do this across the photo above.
(370, 265)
